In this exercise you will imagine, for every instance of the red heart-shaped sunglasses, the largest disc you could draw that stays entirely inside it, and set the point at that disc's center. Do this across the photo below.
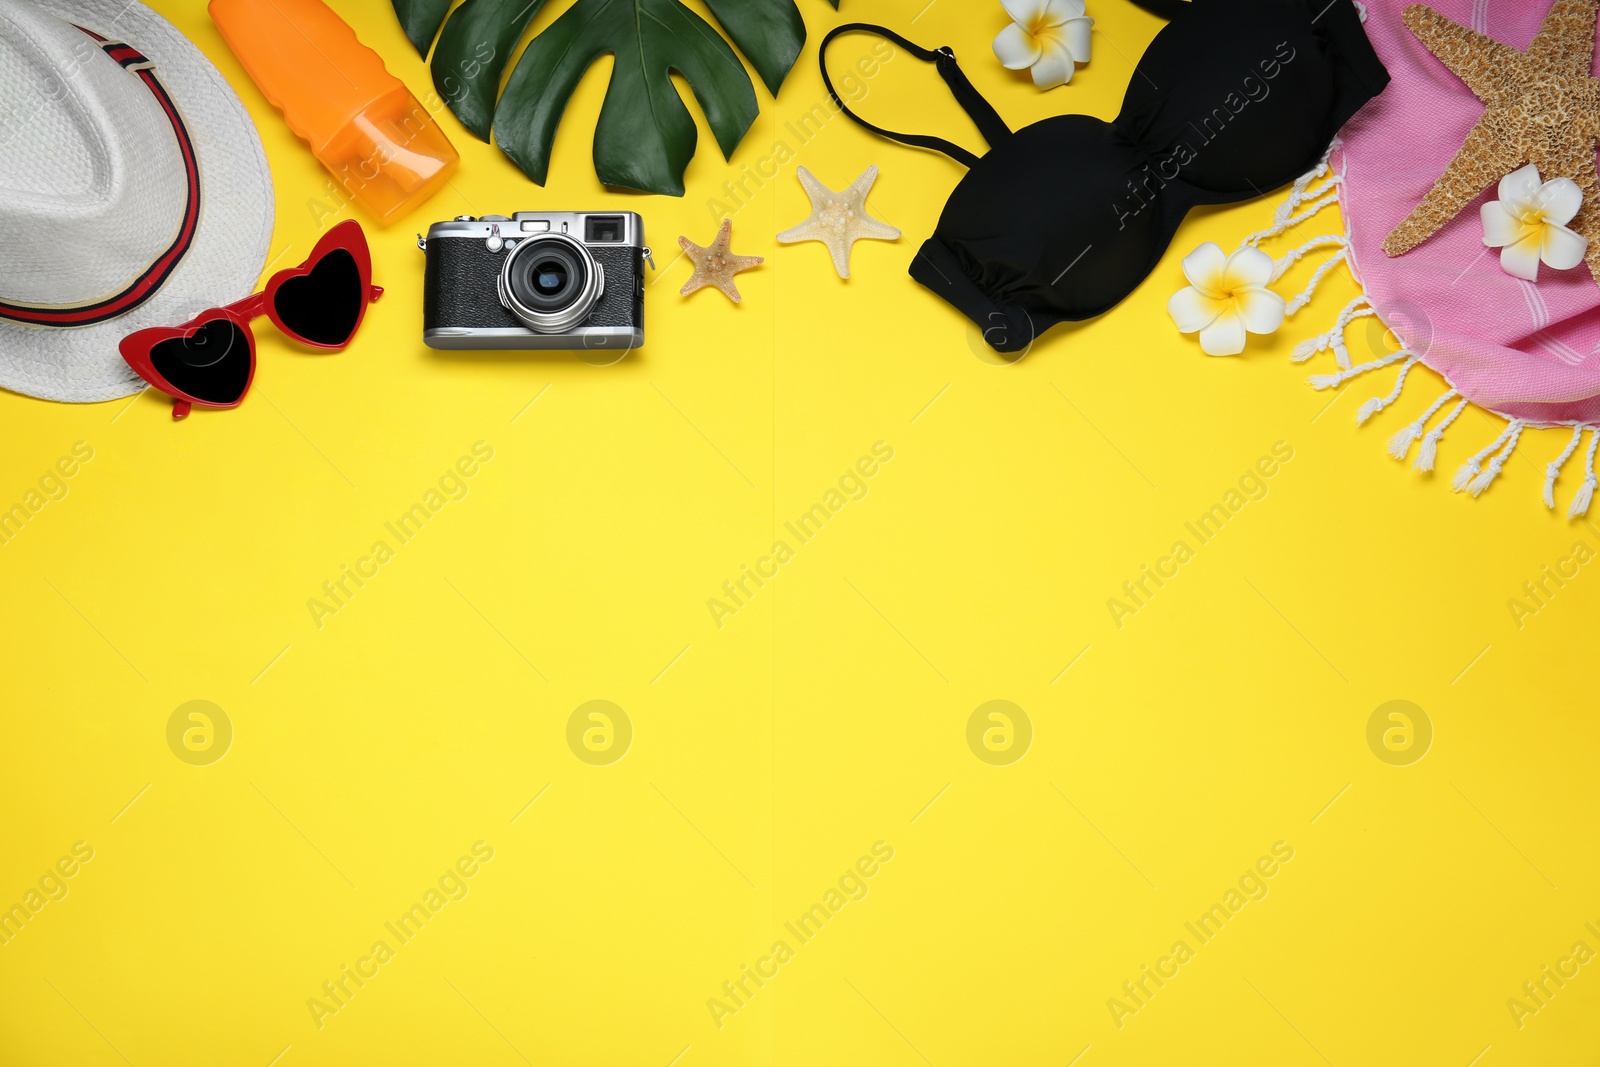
(211, 359)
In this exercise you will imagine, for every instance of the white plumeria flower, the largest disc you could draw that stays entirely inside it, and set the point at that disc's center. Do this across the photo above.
(1051, 37)
(1529, 223)
(1227, 297)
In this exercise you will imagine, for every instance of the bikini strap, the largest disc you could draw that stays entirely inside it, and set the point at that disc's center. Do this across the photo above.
(987, 119)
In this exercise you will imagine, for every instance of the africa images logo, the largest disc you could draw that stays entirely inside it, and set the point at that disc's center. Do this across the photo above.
(599, 732)
(1252, 89)
(1252, 886)
(852, 485)
(451, 886)
(852, 886)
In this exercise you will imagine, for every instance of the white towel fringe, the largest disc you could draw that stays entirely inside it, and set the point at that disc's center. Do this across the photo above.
(1468, 477)
(1326, 240)
(1302, 183)
(1308, 348)
(1553, 471)
(1377, 404)
(1288, 222)
(1297, 192)
(1334, 338)
(1303, 298)
(1333, 381)
(1341, 354)
(1285, 218)
(1428, 451)
(1585, 496)
(1322, 190)
(1307, 198)
(1400, 443)
(1492, 471)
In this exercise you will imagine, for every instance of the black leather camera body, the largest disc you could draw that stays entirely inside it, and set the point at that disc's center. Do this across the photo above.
(536, 280)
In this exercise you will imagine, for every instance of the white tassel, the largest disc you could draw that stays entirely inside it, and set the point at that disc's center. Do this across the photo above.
(1585, 496)
(1309, 213)
(1326, 187)
(1428, 452)
(1302, 183)
(1553, 471)
(1289, 259)
(1492, 471)
(1284, 211)
(1377, 404)
(1283, 220)
(1581, 502)
(1302, 298)
(1400, 443)
(1297, 191)
(1308, 348)
(1329, 381)
(1334, 338)
(1469, 470)
(1341, 354)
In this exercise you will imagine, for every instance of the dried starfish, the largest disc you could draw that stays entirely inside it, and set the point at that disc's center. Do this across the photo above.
(839, 220)
(1543, 107)
(716, 264)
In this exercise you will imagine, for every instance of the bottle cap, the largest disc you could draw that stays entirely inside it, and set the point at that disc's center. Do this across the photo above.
(376, 139)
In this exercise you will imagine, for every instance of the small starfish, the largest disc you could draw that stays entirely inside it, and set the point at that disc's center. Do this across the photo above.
(839, 220)
(716, 264)
(1542, 107)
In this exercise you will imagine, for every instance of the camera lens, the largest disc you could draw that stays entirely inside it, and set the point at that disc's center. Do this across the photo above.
(549, 277)
(550, 283)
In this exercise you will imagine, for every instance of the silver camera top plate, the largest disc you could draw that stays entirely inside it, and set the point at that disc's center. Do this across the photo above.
(615, 228)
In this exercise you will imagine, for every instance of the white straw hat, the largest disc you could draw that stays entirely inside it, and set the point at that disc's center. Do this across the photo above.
(133, 191)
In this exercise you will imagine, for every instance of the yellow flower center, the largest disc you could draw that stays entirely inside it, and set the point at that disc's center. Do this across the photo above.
(1042, 33)
(1218, 289)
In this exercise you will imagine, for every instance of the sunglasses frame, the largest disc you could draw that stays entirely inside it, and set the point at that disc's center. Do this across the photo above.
(137, 347)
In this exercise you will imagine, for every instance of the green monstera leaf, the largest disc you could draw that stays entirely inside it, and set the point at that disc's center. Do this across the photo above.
(645, 136)
(768, 32)
(472, 55)
(421, 20)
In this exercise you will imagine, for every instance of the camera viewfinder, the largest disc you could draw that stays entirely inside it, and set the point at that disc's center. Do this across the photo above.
(603, 229)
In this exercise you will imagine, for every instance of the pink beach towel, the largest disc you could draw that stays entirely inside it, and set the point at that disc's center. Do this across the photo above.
(1528, 351)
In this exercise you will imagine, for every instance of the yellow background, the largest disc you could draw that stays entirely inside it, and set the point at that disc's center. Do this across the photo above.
(831, 712)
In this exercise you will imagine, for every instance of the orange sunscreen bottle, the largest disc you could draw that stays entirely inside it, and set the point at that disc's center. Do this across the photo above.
(381, 145)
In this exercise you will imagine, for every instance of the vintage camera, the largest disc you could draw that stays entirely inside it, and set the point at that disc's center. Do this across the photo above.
(539, 279)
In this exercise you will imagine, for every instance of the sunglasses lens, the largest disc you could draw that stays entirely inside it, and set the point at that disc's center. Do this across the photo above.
(211, 364)
(323, 307)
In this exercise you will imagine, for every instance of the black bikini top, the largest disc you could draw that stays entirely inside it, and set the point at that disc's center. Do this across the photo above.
(1062, 219)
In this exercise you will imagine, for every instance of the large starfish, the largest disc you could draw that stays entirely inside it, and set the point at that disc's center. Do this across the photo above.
(716, 264)
(1542, 107)
(839, 220)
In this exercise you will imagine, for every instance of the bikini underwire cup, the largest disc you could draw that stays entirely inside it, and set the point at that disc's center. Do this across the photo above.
(1061, 220)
